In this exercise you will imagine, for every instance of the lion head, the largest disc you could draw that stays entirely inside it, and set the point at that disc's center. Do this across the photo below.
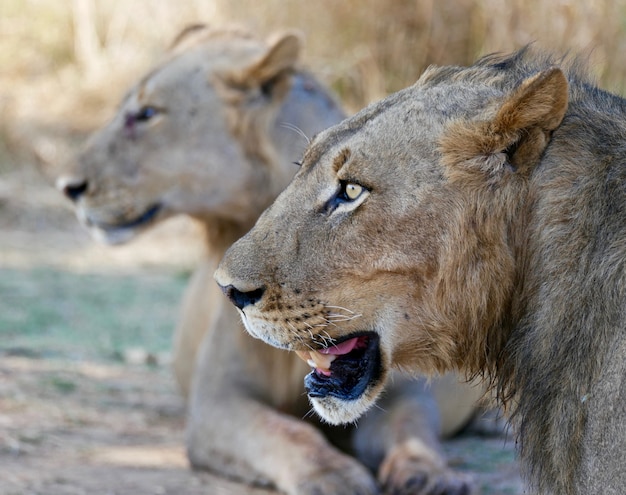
(395, 245)
(228, 97)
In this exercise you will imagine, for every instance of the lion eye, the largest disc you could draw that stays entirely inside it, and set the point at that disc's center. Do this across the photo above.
(350, 195)
(145, 113)
(352, 191)
(141, 116)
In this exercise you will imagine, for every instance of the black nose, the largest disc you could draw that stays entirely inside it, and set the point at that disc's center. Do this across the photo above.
(74, 190)
(243, 299)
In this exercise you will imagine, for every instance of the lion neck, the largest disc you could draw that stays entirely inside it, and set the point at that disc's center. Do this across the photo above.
(219, 234)
(475, 285)
(569, 302)
(564, 316)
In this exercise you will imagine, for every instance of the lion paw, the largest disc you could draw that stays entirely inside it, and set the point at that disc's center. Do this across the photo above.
(414, 469)
(345, 477)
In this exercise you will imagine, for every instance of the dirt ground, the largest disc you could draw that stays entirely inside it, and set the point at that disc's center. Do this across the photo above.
(116, 429)
(90, 426)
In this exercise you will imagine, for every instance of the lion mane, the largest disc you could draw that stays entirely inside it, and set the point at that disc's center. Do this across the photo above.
(474, 221)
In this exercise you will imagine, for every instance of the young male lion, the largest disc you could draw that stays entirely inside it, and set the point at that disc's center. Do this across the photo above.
(212, 132)
(475, 221)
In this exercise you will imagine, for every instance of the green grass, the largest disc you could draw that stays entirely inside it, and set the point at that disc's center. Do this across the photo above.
(53, 312)
(62, 385)
(485, 459)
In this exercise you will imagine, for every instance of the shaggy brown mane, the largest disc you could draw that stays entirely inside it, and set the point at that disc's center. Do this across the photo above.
(506, 70)
(552, 362)
(547, 367)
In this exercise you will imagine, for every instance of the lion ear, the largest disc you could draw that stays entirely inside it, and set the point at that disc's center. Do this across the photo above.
(540, 101)
(279, 60)
(281, 57)
(189, 36)
(528, 117)
(518, 133)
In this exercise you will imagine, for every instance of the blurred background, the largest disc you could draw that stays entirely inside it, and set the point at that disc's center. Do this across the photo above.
(64, 66)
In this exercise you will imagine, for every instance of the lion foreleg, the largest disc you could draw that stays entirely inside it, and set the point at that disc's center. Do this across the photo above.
(401, 440)
(235, 428)
(199, 305)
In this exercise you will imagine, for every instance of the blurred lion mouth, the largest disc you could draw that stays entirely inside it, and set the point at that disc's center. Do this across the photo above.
(345, 369)
(145, 218)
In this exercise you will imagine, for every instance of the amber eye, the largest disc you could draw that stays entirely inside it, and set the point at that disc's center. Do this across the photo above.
(353, 191)
(349, 194)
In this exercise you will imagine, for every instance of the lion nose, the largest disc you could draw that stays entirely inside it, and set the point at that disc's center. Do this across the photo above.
(72, 187)
(240, 298)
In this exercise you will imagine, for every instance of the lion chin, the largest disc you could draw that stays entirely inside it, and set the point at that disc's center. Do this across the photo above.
(120, 232)
(346, 379)
(112, 237)
(338, 411)
(346, 376)
(340, 396)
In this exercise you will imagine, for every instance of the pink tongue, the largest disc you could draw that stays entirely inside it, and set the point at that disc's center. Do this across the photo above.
(340, 349)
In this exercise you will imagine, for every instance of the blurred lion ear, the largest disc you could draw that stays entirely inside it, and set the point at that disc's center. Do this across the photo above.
(189, 36)
(270, 69)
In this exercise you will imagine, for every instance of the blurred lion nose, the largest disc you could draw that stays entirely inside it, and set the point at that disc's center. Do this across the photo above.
(73, 188)
(240, 298)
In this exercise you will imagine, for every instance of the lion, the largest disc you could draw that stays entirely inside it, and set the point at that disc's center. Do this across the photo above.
(212, 132)
(475, 221)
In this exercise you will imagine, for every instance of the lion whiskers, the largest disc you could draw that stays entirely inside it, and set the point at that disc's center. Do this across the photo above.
(332, 340)
(339, 307)
(298, 337)
(338, 317)
(318, 336)
(297, 130)
(309, 414)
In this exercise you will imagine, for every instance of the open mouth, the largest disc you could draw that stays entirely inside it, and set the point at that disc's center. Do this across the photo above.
(148, 216)
(345, 369)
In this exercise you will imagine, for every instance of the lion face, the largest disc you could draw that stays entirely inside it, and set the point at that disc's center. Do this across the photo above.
(335, 276)
(214, 94)
(392, 246)
(329, 273)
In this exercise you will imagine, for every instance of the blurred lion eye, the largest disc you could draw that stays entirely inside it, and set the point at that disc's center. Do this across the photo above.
(141, 116)
(145, 113)
(352, 191)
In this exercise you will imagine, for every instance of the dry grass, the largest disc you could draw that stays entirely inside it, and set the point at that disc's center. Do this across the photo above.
(368, 48)
(65, 64)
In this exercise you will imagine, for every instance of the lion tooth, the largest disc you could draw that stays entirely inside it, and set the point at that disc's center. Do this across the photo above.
(322, 361)
(304, 355)
(317, 360)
